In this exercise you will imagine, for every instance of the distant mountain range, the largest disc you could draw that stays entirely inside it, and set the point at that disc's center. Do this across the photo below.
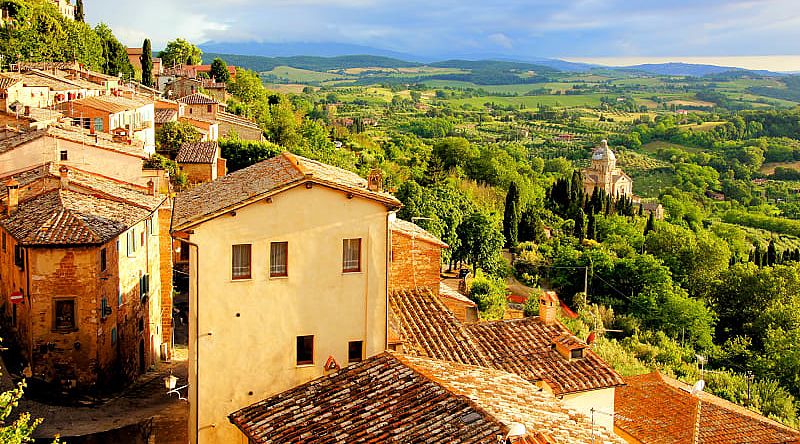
(328, 56)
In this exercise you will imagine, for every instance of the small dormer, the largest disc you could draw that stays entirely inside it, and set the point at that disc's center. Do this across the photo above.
(569, 346)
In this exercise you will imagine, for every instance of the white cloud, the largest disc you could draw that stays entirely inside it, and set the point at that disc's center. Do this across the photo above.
(502, 40)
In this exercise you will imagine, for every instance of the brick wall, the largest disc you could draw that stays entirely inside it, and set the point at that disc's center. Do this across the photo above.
(414, 261)
(165, 246)
(199, 172)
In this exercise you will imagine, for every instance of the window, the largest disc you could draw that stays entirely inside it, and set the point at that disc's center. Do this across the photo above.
(184, 252)
(241, 262)
(119, 298)
(152, 222)
(64, 316)
(144, 286)
(278, 259)
(208, 108)
(105, 309)
(19, 256)
(351, 255)
(103, 260)
(113, 335)
(64, 155)
(576, 353)
(131, 241)
(98, 124)
(142, 237)
(355, 351)
(305, 350)
(4, 242)
(190, 110)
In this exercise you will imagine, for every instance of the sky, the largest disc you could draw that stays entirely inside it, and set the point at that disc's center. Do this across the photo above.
(591, 30)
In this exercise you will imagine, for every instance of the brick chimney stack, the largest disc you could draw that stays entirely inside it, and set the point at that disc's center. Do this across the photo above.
(64, 173)
(151, 187)
(13, 196)
(549, 304)
(375, 180)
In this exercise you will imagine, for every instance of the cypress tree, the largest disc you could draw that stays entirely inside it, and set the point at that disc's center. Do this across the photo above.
(511, 216)
(772, 253)
(651, 224)
(641, 210)
(79, 15)
(591, 228)
(580, 222)
(147, 63)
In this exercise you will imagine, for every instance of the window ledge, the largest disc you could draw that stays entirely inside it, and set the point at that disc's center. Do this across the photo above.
(64, 330)
(305, 365)
(284, 277)
(352, 272)
(242, 279)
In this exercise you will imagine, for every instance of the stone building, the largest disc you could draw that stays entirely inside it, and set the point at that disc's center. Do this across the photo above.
(111, 113)
(200, 106)
(289, 270)
(604, 174)
(201, 161)
(80, 280)
(416, 257)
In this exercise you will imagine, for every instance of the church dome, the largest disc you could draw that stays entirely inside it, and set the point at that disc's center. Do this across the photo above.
(603, 152)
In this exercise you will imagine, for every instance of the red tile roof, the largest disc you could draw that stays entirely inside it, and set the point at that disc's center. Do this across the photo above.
(413, 230)
(73, 134)
(448, 292)
(198, 99)
(199, 152)
(233, 119)
(109, 104)
(396, 398)
(255, 182)
(653, 408)
(165, 115)
(520, 346)
(429, 329)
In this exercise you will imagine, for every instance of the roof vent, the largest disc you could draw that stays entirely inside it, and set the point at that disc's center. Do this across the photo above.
(569, 346)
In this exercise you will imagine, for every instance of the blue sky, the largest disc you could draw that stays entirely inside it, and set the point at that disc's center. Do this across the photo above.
(522, 29)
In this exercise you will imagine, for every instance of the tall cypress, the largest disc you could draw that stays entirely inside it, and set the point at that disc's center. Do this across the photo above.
(147, 63)
(580, 222)
(511, 216)
(651, 224)
(79, 15)
(591, 227)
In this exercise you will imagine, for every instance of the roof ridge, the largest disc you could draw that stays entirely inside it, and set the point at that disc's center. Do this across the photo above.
(294, 160)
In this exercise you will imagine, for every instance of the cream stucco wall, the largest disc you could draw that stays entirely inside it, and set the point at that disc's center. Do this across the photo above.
(245, 331)
(602, 401)
(109, 163)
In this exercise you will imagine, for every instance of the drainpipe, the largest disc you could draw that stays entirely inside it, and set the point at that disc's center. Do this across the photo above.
(197, 339)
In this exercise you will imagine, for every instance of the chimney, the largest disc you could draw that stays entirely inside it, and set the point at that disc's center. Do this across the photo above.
(151, 187)
(13, 196)
(64, 173)
(549, 305)
(375, 180)
(27, 110)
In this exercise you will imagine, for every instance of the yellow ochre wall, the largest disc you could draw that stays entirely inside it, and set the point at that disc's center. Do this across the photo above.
(601, 400)
(246, 331)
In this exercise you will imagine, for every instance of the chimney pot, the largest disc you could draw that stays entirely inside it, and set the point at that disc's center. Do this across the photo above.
(64, 173)
(13, 196)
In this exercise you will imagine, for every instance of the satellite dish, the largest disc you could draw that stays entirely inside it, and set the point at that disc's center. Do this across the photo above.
(698, 387)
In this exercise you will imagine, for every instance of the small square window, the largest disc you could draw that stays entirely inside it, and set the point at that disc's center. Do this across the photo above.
(305, 350)
(278, 259)
(240, 265)
(351, 255)
(355, 351)
(64, 155)
(64, 316)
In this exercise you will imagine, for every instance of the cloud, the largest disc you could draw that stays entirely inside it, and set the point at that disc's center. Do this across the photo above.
(519, 28)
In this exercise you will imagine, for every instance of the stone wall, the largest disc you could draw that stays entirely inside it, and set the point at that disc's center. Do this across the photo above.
(414, 263)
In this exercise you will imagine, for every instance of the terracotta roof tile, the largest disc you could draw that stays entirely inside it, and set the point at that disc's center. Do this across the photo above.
(656, 409)
(199, 152)
(165, 115)
(73, 134)
(7, 82)
(448, 292)
(413, 230)
(254, 182)
(198, 99)
(236, 120)
(110, 104)
(520, 346)
(395, 398)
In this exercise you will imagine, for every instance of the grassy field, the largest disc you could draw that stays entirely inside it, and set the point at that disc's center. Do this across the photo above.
(531, 102)
(297, 75)
(705, 126)
(653, 147)
(769, 168)
(287, 88)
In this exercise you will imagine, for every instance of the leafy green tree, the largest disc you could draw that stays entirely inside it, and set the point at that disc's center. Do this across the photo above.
(511, 216)
(531, 227)
(489, 294)
(219, 71)
(115, 59)
(481, 241)
(79, 15)
(172, 135)
(146, 60)
(180, 52)
(454, 152)
(243, 153)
